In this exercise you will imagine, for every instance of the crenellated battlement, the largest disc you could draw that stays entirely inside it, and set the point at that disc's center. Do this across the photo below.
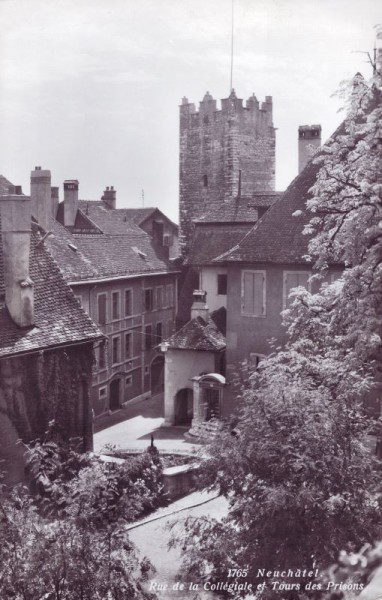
(228, 106)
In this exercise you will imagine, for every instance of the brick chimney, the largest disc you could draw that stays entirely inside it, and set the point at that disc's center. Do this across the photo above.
(55, 198)
(70, 202)
(308, 136)
(110, 197)
(199, 306)
(16, 213)
(40, 196)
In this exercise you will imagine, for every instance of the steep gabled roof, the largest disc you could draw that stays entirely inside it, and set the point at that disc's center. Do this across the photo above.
(59, 319)
(198, 335)
(211, 240)
(241, 210)
(118, 220)
(278, 235)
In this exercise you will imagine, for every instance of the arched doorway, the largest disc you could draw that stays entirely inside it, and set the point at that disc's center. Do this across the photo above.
(157, 375)
(184, 406)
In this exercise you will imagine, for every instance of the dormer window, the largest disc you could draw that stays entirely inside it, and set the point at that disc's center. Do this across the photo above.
(205, 181)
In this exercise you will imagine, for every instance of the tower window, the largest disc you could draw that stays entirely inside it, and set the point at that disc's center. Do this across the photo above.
(205, 181)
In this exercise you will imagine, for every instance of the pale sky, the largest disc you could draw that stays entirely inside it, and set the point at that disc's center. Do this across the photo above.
(90, 89)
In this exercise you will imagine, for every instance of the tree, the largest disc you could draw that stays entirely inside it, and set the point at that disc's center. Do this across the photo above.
(299, 478)
(69, 540)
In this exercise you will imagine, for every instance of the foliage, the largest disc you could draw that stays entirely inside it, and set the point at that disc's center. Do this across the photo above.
(299, 480)
(64, 480)
(62, 559)
(298, 476)
(69, 540)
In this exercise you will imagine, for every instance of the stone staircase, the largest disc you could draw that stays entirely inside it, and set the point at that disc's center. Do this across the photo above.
(203, 431)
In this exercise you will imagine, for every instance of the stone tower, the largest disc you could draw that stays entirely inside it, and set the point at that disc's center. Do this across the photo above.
(224, 154)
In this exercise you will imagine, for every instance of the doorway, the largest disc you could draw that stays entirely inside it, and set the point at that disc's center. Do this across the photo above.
(184, 407)
(157, 375)
(115, 388)
(212, 403)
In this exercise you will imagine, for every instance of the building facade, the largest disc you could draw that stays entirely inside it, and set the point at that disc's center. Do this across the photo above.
(117, 262)
(46, 342)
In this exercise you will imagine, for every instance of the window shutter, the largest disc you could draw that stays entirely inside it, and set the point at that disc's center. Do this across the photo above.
(258, 295)
(248, 290)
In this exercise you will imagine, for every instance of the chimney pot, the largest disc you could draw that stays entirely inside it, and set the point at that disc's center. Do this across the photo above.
(199, 306)
(110, 197)
(40, 196)
(308, 136)
(16, 215)
(70, 201)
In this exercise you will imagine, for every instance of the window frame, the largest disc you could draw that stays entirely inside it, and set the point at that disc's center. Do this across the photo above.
(158, 338)
(128, 335)
(170, 295)
(285, 275)
(116, 294)
(218, 278)
(104, 294)
(145, 291)
(130, 292)
(264, 275)
(118, 339)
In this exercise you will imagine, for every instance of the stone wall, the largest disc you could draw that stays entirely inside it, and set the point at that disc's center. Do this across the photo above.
(223, 154)
(41, 391)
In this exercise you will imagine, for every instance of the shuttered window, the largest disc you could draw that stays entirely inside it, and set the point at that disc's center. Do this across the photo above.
(253, 293)
(293, 279)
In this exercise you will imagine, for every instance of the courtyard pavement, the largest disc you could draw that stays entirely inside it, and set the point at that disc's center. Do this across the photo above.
(131, 429)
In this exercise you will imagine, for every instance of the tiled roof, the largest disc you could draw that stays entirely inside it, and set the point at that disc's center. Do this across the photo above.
(198, 335)
(113, 221)
(65, 249)
(113, 255)
(241, 210)
(88, 257)
(212, 240)
(117, 220)
(278, 237)
(6, 187)
(59, 320)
